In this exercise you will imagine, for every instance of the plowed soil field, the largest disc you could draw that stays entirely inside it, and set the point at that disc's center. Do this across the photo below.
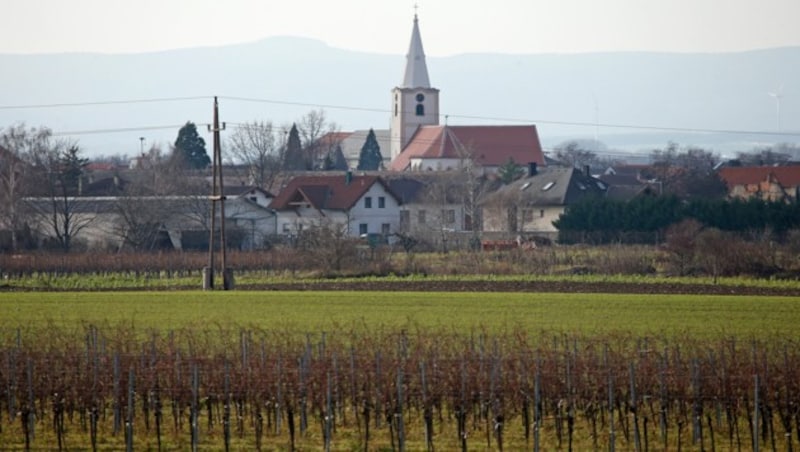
(529, 286)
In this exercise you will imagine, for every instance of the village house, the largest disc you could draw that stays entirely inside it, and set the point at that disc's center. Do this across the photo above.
(529, 205)
(768, 183)
(360, 204)
(626, 182)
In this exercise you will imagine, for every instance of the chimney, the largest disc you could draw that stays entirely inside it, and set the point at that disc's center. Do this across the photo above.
(532, 169)
(587, 171)
(348, 177)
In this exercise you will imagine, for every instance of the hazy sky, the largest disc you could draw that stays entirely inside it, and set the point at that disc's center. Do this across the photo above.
(448, 26)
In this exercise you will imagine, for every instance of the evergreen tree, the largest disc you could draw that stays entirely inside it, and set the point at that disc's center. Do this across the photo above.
(334, 160)
(293, 159)
(510, 171)
(70, 169)
(191, 147)
(370, 158)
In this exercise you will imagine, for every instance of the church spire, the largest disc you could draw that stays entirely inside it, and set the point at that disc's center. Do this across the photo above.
(416, 70)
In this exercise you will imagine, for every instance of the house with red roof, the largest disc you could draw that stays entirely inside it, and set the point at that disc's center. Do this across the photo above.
(360, 204)
(769, 183)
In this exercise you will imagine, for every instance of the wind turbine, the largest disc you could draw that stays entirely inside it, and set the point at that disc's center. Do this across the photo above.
(777, 95)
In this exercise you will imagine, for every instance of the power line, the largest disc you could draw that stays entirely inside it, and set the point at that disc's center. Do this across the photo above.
(105, 102)
(117, 130)
(384, 111)
(530, 121)
(305, 104)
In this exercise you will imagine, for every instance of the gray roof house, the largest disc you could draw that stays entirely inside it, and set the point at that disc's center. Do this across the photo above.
(532, 203)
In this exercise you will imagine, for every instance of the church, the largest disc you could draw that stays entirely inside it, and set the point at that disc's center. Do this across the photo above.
(418, 142)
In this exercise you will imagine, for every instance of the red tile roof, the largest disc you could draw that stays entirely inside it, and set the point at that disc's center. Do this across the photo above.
(489, 145)
(332, 138)
(101, 166)
(325, 191)
(786, 176)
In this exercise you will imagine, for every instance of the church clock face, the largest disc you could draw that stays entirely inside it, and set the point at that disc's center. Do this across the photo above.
(420, 97)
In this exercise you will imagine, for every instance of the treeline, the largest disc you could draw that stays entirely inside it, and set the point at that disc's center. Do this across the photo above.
(645, 219)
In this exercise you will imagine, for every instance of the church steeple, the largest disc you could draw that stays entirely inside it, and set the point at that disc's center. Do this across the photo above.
(416, 69)
(414, 103)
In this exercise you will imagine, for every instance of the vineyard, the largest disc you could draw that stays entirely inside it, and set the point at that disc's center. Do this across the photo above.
(366, 388)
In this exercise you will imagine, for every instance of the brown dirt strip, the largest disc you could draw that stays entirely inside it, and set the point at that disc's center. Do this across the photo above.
(528, 286)
(475, 286)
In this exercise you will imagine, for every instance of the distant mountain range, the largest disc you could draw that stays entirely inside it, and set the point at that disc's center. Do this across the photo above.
(709, 100)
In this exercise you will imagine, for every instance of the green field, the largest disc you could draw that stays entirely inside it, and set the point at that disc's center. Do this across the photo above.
(312, 311)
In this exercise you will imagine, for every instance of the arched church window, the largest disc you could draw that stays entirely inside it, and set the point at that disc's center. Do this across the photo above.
(420, 110)
(395, 108)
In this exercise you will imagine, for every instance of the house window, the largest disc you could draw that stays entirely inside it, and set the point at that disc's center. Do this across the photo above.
(421, 217)
(386, 229)
(362, 228)
(368, 202)
(541, 213)
(405, 219)
(287, 228)
(381, 202)
(448, 216)
(420, 110)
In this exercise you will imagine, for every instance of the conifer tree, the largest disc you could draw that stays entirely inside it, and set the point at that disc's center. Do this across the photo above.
(510, 171)
(293, 158)
(191, 147)
(370, 158)
(334, 160)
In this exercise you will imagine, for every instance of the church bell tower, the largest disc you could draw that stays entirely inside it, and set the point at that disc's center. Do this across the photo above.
(414, 103)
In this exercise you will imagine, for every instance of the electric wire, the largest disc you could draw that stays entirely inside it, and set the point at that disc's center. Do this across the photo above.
(623, 126)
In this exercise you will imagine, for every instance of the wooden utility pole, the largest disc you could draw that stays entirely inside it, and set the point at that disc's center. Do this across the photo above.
(217, 195)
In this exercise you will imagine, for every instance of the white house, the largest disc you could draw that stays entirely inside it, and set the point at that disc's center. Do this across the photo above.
(360, 204)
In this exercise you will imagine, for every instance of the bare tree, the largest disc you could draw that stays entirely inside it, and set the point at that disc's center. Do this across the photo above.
(17, 144)
(161, 196)
(328, 242)
(59, 169)
(312, 127)
(573, 155)
(444, 196)
(257, 146)
(765, 156)
(687, 173)
(474, 185)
